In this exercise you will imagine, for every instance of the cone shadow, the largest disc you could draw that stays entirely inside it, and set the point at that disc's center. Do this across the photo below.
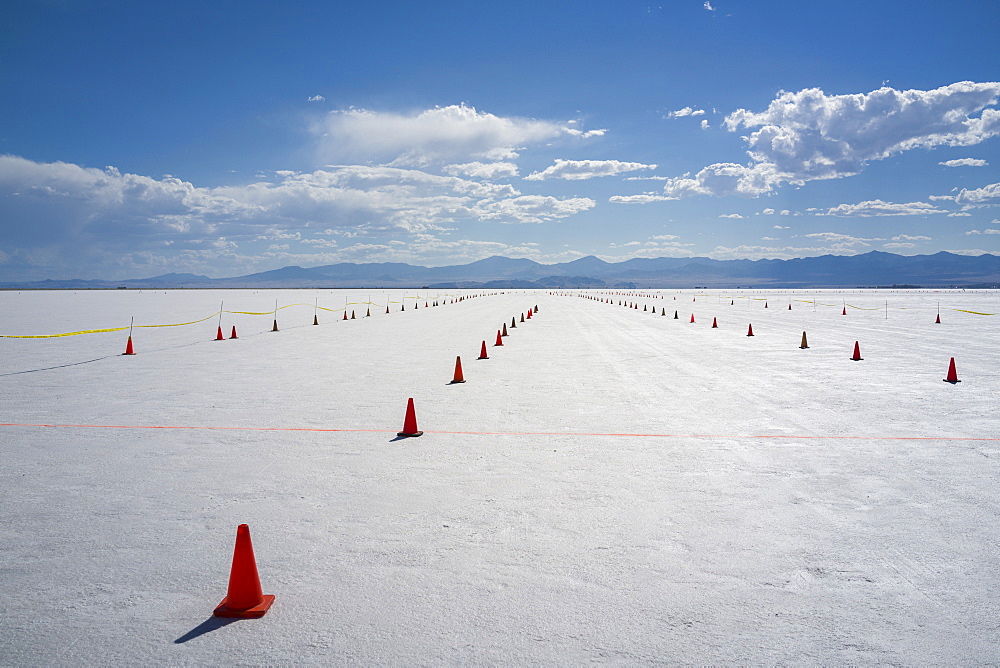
(211, 624)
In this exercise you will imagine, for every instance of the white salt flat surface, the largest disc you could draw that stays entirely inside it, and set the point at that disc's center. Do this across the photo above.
(611, 486)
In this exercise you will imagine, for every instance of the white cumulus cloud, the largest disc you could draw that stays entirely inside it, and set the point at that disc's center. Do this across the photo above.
(986, 195)
(483, 170)
(965, 162)
(315, 98)
(986, 231)
(577, 170)
(809, 135)
(685, 111)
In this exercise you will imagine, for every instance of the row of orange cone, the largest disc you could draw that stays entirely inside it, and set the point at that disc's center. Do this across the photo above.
(410, 419)
(244, 596)
(130, 346)
(952, 372)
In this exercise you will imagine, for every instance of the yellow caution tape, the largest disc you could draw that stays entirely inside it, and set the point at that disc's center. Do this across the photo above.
(973, 312)
(52, 336)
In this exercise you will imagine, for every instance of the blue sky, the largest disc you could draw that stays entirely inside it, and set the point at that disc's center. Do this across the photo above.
(223, 138)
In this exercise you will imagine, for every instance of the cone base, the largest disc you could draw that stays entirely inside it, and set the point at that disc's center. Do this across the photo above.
(856, 359)
(404, 434)
(128, 353)
(951, 381)
(250, 613)
(456, 381)
(803, 347)
(482, 358)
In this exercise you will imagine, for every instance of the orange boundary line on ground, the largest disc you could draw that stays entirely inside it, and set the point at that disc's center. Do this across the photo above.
(513, 433)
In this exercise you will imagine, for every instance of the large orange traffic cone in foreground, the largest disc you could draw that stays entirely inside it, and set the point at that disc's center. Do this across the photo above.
(410, 421)
(482, 352)
(219, 336)
(857, 353)
(529, 312)
(459, 378)
(128, 348)
(692, 317)
(233, 335)
(244, 598)
(750, 330)
(952, 373)
(499, 340)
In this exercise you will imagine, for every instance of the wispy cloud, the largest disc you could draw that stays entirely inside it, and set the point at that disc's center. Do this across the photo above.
(315, 98)
(879, 208)
(644, 198)
(442, 134)
(578, 170)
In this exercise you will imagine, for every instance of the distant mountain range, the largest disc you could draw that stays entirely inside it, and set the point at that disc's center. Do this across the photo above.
(870, 269)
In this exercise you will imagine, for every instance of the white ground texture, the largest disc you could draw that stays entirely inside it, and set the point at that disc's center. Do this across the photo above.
(611, 486)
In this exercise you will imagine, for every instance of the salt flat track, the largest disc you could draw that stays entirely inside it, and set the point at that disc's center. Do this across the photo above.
(610, 486)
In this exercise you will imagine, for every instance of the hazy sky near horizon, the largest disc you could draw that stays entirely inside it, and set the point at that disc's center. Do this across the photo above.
(223, 138)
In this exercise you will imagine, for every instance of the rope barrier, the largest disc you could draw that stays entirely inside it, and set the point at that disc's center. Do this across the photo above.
(784, 437)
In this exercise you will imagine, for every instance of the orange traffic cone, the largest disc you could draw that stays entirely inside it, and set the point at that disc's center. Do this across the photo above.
(765, 304)
(128, 348)
(233, 335)
(692, 317)
(275, 327)
(244, 598)
(482, 352)
(387, 309)
(750, 330)
(315, 319)
(952, 373)
(675, 316)
(663, 311)
(789, 307)
(499, 340)
(804, 344)
(504, 331)
(459, 378)
(218, 335)
(368, 312)
(857, 353)
(715, 325)
(410, 421)
(536, 309)
(938, 321)
(529, 314)
(345, 314)
(844, 312)
(513, 323)
(643, 307)
(522, 317)
(353, 316)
